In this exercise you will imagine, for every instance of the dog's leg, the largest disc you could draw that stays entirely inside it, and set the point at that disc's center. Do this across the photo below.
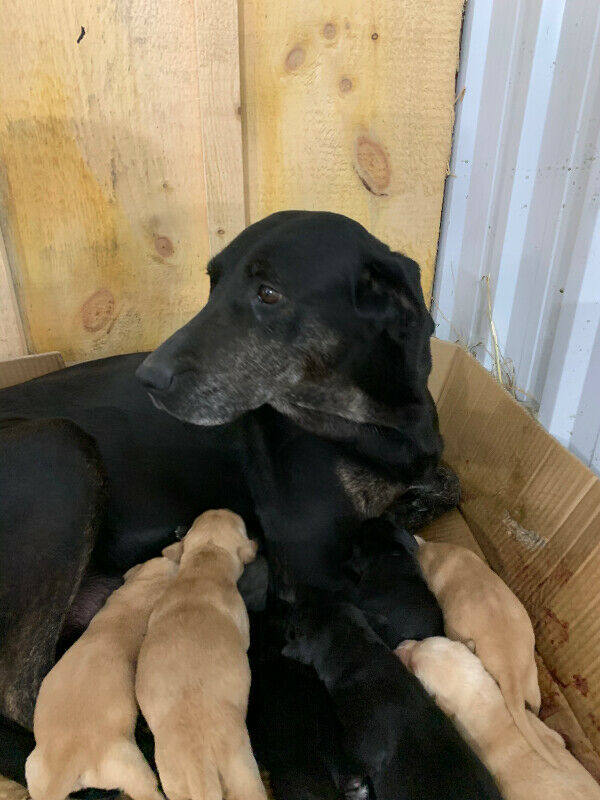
(50, 510)
(125, 767)
(429, 499)
(349, 780)
(239, 770)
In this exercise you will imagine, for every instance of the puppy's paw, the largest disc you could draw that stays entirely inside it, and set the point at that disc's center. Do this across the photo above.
(356, 787)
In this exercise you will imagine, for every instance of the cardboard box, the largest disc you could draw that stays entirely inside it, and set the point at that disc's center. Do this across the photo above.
(530, 508)
(18, 370)
(534, 510)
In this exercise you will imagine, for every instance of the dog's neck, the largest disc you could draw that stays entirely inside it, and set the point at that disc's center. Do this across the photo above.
(213, 557)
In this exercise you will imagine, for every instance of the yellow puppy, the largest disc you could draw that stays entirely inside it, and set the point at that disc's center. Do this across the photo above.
(481, 611)
(86, 711)
(466, 692)
(193, 676)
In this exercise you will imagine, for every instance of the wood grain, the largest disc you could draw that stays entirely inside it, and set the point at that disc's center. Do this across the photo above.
(220, 103)
(12, 334)
(103, 187)
(348, 106)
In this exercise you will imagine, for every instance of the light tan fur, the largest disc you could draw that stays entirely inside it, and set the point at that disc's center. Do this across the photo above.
(465, 691)
(481, 611)
(86, 711)
(193, 676)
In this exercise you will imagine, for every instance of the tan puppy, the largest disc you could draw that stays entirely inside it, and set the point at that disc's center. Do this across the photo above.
(86, 711)
(480, 610)
(464, 690)
(193, 676)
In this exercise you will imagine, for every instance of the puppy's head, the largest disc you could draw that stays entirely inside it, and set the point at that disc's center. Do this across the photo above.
(224, 529)
(448, 670)
(315, 622)
(301, 636)
(381, 537)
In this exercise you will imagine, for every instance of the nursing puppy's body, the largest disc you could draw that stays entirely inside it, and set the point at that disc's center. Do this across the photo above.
(463, 689)
(85, 715)
(193, 677)
(391, 589)
(391, 727)
(481, 611)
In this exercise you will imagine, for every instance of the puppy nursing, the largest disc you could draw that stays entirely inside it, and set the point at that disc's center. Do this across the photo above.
(465, 691)
(481, 611)
(193, 676)
(86, 711)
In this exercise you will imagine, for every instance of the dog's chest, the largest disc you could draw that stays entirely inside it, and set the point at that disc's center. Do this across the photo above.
(370, 493)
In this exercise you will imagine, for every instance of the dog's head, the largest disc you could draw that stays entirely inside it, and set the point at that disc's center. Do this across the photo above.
(308, 313)
(449, 671)
(222, 528)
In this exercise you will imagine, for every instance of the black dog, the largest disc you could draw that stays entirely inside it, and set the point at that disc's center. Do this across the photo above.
(391, 589)
(297, 397)
(393, 729)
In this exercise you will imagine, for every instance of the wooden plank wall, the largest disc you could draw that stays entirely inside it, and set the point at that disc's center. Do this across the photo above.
(130, 150)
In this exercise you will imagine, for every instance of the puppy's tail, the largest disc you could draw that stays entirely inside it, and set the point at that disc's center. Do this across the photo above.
(515, 702)
(44, 783)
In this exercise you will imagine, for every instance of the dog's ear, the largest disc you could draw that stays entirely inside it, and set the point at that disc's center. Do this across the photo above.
(388, 291)
(247, 551)
(173, 552)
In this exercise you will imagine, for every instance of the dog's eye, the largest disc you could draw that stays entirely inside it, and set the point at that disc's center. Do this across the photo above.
(268, 295)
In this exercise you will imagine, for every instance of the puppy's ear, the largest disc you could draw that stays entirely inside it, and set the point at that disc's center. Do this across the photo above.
(405, 653)
(173, 552)
(131, 573)
(388, 291)
(407, 540)
(247, 551)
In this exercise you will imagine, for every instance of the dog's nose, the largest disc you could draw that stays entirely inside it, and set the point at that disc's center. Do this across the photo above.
(155, 376)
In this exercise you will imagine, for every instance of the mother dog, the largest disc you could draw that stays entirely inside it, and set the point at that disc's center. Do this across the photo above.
(297, 397)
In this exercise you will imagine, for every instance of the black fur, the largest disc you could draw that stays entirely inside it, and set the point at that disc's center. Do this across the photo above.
(393, 729)
(304, 416)
(391, 589)
(296, 735)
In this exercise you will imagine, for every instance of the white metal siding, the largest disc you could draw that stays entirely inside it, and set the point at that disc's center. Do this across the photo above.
(522, 206)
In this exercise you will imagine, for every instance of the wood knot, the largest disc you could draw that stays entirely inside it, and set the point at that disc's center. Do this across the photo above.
(345, 85)
(295, 58)
(372, 165)
(329, 31)
(164, 246)
(374, 36)
(97, 311)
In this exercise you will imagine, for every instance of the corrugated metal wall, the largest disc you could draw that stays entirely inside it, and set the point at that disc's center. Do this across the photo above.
(522, 207)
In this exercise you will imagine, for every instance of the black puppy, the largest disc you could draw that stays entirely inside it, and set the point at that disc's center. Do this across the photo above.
(393, 729)
(296, 736)
(293, 727)
(391, 589)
